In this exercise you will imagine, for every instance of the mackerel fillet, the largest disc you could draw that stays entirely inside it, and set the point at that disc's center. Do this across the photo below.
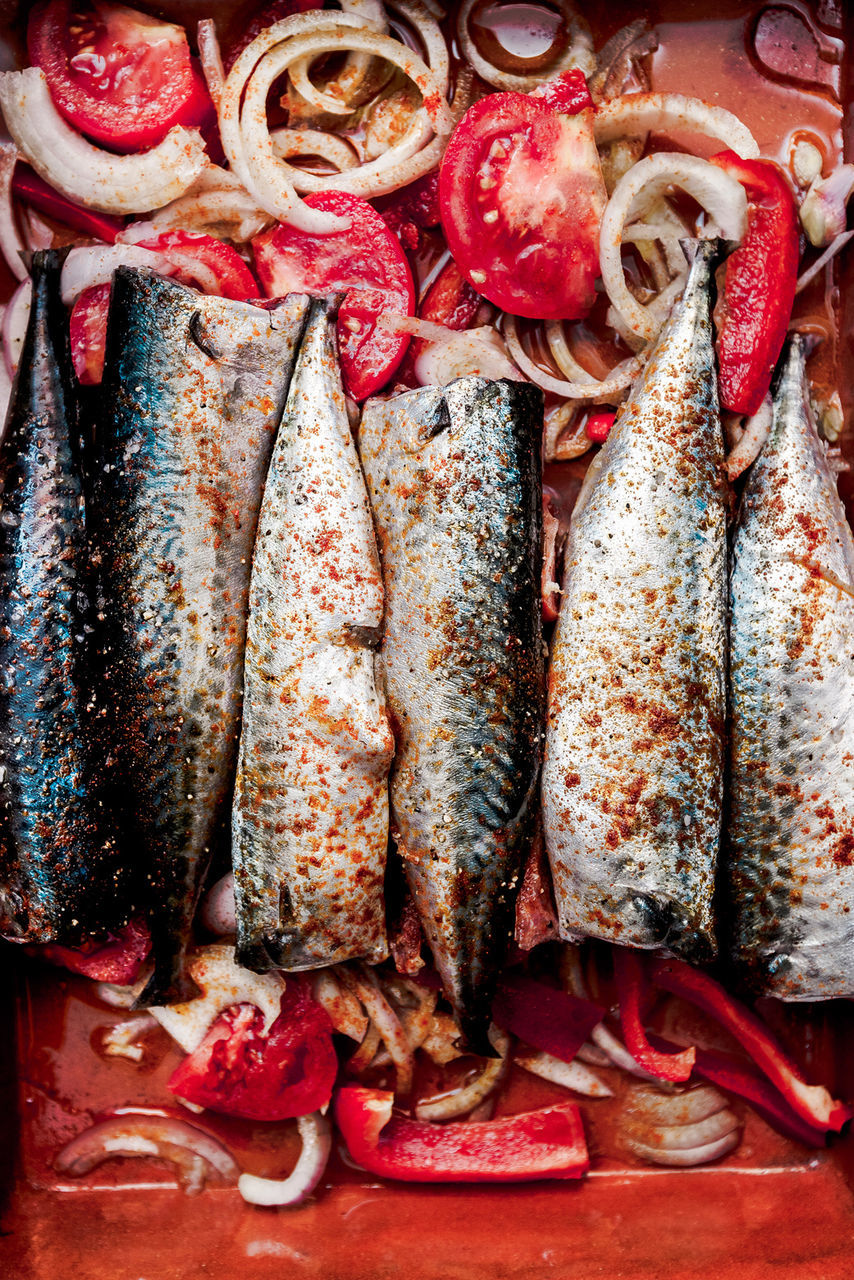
(60, 878)
(193, 391)
(310, 815)
(453, 477)
(791, 831)
(632, 781)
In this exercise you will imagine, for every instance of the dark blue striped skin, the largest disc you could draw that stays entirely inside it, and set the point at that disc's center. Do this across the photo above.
(193, 391)
(59, 873)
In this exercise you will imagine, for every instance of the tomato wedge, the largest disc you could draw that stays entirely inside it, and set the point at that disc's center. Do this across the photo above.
(522, 198)
(366, 262)
(121, 77)
(238, 1070)
(198, 260)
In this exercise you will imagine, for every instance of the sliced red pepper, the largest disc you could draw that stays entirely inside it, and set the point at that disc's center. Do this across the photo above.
(566, 93)
(812, 1102)
(29, 187)
(759, 288)
(598, 426)
(633, 995)
(746, 1081)
(118, 960)
(544, 1017)
(548, 1143)
(242, 1072)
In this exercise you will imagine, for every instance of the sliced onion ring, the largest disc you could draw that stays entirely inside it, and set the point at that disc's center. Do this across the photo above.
(578, 53)
(16, 317)
(683, 1159)
(469, 351)
(315, 1131)
(210, 56)
(84, 268)
(195, 1154)
(463, 1098)
(85, 173)
(641, 113)
(820, 263)
(755, 433)
(315, 142)
(363, 983)
(720, 194)
(245, 134)
(605, 391)
(571, 1075)
(11, 244)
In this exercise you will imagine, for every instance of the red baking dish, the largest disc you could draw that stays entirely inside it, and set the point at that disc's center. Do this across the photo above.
(773, 1208)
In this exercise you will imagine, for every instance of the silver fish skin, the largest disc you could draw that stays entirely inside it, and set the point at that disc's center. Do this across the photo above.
(310, 813)
(194, 388)
(454, 481)
(633, 774)
(61, 877)
(790, 856)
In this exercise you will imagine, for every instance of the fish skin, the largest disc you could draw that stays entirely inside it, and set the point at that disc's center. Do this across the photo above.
(310, 814)
(632, 779)
(790, 856)
(60, 878)
(454, 480)
(193, 391)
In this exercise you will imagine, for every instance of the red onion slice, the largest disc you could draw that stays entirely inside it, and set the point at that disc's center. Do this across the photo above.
(316, 1133)
(195, 1154)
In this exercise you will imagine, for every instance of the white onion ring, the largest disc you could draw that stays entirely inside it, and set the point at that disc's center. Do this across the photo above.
(682, 1159)
(593, 1056)
(245, 134)
(755, 433)
(414, 1005)
(578, 53)
(718, 192)
(195, 1153)
(16, 317)
(116, 996)
(339, 93)
(11, 244)
(820, 263)
(85, 173)
(469, 351)
(345, 1012)
(685, 1108)
(314, 142)
(616, 382)
(558, 447)
(218, 911)
(122, 1039)
(571, 1075)
(85, 268)
(641, 113)
(315, 1131)
(5, 390)
(364, 984)
(457, 1101)
(37, 233)
(210, 56)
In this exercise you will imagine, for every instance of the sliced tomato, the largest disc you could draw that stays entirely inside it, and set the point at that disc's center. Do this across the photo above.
(199, 261)
(262, 18)
(239, 1070)
(121, 77)
(366, 263)
(522, 198)
(220, 269)
(89, 334)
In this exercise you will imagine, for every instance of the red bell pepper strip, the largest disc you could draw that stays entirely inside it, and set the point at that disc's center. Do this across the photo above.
(118, 960)
(759, 287)
(566, 93)
(598, 426)
(544, 1017)
(29, 187)
(548, 1143)
(632, 990)
(812, 1102)
(746, 1081)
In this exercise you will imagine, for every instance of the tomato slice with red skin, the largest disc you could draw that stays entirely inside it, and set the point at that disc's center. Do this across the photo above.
(221, 271)
(121, 77)
(522, 198)
(242, 1072)
(365, 262)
